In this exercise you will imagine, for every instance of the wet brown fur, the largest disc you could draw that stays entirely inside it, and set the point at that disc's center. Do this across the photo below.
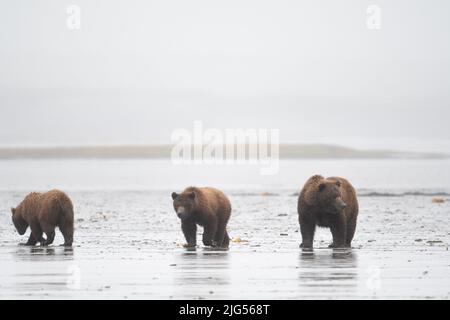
(313, 212)
(211, 209)
(43, 212)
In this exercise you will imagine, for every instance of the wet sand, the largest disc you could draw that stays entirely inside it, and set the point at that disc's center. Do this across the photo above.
(128, 246)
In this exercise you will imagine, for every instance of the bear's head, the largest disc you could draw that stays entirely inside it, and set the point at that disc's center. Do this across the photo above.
(20, 224)
(329, 196)
(184, 204)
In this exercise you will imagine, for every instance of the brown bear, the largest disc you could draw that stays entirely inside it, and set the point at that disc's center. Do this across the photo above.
(43, 212)
(329, 203)
(207, 207)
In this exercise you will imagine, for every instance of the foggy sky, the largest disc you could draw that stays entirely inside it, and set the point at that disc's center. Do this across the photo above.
(137, 70)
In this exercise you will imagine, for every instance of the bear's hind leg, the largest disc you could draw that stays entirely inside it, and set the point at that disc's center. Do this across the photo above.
(221, 239)
(226, 240)
(209, 235)
(66, 228)
(50, 238)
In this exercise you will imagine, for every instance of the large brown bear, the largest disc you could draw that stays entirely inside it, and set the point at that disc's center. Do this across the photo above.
(43, 212)
(207, 207)
(329, 203)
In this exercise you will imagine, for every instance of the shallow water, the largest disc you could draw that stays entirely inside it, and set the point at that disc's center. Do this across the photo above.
(140, 174)
(128, 245)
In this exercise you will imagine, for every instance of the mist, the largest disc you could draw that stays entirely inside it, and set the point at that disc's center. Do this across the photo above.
(137, 70)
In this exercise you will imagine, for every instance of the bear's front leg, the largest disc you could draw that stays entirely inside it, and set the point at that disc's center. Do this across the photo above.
(189, 229)
(36, 232)
(339, 232)
(31, 241)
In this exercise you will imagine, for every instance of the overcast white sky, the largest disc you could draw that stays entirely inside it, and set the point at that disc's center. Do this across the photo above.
(137, 70)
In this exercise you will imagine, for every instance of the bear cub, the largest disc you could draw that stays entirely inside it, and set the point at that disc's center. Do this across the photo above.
(206, 207)
(43, 212)
(330, 203)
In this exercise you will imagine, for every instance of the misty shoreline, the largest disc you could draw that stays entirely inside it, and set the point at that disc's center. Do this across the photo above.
(286, 151)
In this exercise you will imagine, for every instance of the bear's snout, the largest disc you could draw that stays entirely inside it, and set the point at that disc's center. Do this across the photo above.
(181, 212)
(340, 204)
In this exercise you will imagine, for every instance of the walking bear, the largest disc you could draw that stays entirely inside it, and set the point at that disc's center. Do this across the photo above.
(207, 207)
(329, 203)
(43, 212)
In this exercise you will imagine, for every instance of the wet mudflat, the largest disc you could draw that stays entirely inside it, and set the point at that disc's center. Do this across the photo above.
(128, 246)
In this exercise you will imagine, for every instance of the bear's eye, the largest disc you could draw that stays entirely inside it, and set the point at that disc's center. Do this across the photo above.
(322, 186)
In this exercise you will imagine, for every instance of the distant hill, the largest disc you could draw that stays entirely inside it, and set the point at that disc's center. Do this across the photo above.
(297, 151)
(287, 151)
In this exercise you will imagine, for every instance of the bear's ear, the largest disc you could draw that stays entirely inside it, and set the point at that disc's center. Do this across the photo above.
(192, 195)
(322, 186)
(13, 210)
(338, 183)
(174, 195)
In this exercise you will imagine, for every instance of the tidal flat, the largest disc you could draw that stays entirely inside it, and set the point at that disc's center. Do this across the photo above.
(128, 245)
